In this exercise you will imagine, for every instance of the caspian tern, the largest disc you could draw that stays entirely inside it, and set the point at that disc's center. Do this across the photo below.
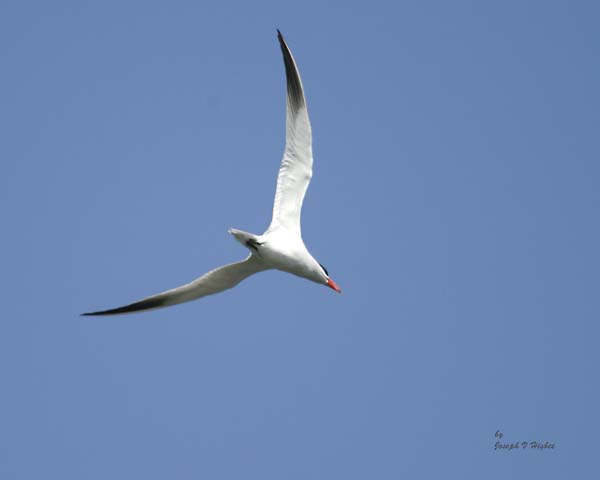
(281, 246)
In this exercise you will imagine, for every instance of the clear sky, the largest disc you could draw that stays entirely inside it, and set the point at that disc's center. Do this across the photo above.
(455, 200)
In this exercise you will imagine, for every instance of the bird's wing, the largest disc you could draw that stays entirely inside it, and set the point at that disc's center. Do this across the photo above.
(215, 281)
(296, 167)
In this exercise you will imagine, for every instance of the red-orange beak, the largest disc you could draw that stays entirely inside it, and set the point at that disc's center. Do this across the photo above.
(331, 284)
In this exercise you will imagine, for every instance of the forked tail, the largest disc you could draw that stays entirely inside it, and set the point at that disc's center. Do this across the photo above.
(248, 240)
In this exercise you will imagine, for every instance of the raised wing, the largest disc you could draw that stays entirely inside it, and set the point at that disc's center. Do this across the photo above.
(296, 167)
(215, 281)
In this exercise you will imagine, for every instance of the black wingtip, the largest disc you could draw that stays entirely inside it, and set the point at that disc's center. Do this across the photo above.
(294, 85)
(281, 40)
(146, 304)
(93, 314)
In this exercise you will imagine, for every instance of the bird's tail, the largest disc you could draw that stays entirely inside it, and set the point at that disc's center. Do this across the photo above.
(248, 240)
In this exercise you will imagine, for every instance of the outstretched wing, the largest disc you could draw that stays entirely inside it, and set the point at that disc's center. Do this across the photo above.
(215, 281)
(296, 167)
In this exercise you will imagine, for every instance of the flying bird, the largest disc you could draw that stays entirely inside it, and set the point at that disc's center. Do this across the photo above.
(280, 247)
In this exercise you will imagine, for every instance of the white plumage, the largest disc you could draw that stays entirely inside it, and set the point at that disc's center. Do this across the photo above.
(281, 246)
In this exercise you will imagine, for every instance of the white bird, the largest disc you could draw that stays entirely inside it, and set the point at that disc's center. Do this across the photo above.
(281, 246)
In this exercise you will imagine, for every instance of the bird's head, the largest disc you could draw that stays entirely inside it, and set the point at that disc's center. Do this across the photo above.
(328, 281)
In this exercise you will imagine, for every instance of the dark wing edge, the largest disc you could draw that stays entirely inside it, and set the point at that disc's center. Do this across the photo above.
(147, 304)
(295, 93)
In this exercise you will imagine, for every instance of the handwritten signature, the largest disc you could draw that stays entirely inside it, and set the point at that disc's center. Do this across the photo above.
(522, 445)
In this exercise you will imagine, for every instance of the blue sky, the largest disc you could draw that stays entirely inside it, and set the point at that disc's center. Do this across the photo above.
(455, 201)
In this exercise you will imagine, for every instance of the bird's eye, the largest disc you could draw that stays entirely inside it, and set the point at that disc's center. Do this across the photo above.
(324, 269)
